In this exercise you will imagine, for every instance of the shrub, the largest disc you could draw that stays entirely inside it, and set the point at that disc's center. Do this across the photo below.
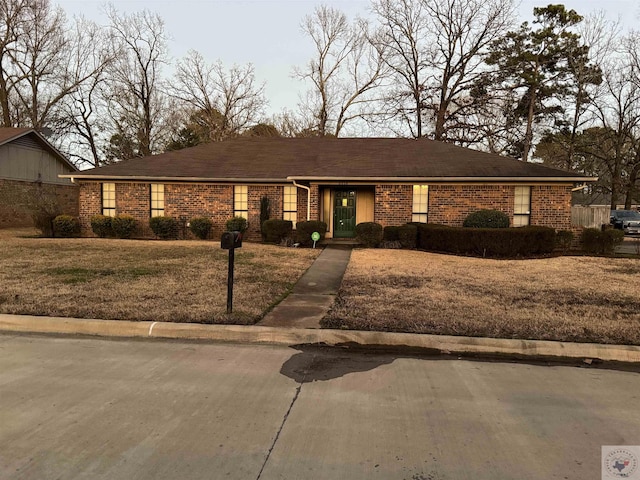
(390, 234)
(408, 236)
(564, 239)
(200, 227)
(237, 224)
(601, 242)
(66, 226)
(487, 219)
(490, 242)
(369, 234)
(265, 213)
(305, 229)
(123, 226)
(276, 230)
(43, 221)
(164, 227)
(101, 226)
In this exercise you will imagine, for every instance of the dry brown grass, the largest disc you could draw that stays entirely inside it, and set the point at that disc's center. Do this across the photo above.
(584, 299)
(178, 281)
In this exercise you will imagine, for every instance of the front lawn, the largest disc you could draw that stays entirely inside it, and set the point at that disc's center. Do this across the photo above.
(174, 281)
(580, 299)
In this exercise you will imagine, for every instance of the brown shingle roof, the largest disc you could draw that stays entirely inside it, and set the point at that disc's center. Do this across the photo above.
(279, 159)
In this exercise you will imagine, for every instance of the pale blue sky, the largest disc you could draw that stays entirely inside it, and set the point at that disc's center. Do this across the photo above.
(267, 33)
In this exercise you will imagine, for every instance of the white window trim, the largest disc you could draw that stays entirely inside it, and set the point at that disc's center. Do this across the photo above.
(156, 211)
(244, 191)
(108, 210)
(421, 214)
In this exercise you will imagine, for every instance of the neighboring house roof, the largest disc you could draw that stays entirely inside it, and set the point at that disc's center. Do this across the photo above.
(328, 159)
(8, 135)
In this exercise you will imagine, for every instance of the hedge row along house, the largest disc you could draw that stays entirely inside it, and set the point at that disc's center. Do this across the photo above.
(341, 181)
(29, 178)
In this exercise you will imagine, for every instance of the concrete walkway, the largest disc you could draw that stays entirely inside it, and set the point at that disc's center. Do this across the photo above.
(315, 292)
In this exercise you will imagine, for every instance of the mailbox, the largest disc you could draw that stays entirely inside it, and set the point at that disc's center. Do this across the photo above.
(231, 240)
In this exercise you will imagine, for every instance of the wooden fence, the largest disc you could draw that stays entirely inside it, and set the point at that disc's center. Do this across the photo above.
(590, 217)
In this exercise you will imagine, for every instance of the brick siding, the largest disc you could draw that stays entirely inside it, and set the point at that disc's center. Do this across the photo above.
(17, 198)
(393, 204)
(448, 204)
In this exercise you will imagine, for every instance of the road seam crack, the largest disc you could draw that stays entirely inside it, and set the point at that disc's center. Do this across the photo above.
(284, 420)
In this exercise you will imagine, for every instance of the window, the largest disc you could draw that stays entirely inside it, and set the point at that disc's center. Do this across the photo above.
(522, 206)
(290, 205)
(240, 201)
(420, 203)
(109, 199)
(157, 200)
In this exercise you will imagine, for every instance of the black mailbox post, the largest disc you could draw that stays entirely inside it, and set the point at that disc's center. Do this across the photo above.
(230, 241)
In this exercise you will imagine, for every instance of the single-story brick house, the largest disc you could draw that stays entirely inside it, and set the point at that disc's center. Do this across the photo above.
(30, 168)
(341, 181)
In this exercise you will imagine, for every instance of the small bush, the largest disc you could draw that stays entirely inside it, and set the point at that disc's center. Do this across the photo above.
(487, 219)
(487, 242)
(164, 227)
(43, 221)
(101, 226)
(408, 236)
(601, 242)
(305, 229)
(200, 227)
(369, 234)
(123, 226)
(265, 213)
(564, 239)
(237, 224)
(66, 226)
(390, 234)
(276, 230)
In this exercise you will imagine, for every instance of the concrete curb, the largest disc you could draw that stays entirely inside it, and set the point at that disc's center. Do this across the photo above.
(294, 336)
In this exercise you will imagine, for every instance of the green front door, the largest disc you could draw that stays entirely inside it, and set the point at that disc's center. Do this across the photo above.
(344, 214)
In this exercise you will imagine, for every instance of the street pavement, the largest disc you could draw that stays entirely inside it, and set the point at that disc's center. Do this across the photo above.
(85, 408)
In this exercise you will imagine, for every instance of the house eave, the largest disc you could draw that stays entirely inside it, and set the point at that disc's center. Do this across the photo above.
(146, 178)
(445, 179)
(332, 179)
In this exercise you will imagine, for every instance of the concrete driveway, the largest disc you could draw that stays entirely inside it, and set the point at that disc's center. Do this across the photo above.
(101, 409)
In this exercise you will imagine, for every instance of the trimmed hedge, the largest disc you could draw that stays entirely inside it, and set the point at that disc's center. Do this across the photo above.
(369, 234)
(123, 226)
(305, 229)
(200, 227)
(564, 239)
(390, 234)
(66, 226)
(237, 224)
(164, 227)
(101, 226)
(487, 242)
(275, 230)
(601, 242)
(408, 236)
(486, 219)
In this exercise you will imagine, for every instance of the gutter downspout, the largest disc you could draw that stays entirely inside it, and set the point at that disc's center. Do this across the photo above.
(308, 189)
(581, 187)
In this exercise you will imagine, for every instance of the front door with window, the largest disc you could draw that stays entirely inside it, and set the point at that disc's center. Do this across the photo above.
(344, 214)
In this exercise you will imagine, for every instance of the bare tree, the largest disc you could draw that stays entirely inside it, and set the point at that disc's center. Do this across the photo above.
(346, 68)
(42, 62)
(136, 102)
(460, 32)
(227, 101)
(436, 48)
(82, 118)
(404, 33)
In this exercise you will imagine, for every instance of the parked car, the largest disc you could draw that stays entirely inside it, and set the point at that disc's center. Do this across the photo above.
(626, 220)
